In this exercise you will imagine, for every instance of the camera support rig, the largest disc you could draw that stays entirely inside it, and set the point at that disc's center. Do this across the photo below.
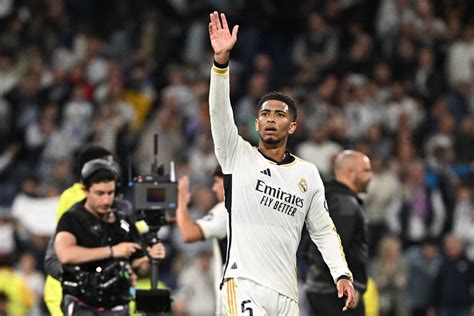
(154, 196)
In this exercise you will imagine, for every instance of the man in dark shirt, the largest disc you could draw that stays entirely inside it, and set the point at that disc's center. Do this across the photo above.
(352, 175)
(97, 247)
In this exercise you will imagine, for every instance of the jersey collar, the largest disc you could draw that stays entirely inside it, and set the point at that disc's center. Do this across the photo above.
(288, 158)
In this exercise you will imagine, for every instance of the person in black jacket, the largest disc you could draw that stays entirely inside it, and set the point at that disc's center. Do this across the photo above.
(453, 295)
(353, 173)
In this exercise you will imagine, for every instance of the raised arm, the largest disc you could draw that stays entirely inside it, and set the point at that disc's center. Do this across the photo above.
(188, 228)
(224, 131)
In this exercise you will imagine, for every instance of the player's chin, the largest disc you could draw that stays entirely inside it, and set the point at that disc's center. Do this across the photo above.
(271, 140)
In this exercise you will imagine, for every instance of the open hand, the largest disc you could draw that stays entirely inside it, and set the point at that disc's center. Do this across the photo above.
(345, 287)
(184, 196)
(222, 40)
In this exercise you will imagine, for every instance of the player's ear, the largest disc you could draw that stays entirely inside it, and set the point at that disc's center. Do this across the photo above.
(292, 128)
(256, 124)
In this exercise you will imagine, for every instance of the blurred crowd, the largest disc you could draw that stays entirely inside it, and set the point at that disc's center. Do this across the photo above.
(391, 78)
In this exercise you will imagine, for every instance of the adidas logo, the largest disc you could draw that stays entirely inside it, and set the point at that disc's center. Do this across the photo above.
(266, 172)
(234, 266)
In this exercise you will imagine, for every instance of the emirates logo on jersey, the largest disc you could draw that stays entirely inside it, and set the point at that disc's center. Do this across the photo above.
(303, 185)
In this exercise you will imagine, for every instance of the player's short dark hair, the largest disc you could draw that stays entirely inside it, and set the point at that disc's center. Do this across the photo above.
(97, 171)
(88, 153)
(275, 95)
(218, 172)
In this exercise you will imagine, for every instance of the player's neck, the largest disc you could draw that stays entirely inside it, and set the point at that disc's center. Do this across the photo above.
(275, 153)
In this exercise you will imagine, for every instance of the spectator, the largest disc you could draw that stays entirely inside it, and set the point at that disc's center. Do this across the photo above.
(34, 280)
(20, 298)
(460, 55)
(463, 227)
(423, 264)
(316, 49)
(383, 198)
(422, 212)
(11, 243)
(320, 150)
(390, 275)
(455, 279)
(195, 292)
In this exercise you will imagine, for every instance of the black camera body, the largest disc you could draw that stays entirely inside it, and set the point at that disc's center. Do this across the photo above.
(154, 194)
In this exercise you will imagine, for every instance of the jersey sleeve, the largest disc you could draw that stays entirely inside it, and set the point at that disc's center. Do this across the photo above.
(214, 224)
(323, 233)
(223, 128)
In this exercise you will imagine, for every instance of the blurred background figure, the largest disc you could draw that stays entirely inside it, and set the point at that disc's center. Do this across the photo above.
(390, 274)
(463, 224)
(383, 198)
(423, 264)
(452, 294)
(195, 292)
(27, 268)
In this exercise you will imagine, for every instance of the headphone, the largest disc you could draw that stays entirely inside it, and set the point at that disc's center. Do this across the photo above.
(94, 165)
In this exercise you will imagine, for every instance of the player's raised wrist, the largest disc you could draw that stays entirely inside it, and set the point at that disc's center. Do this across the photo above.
(221, 60)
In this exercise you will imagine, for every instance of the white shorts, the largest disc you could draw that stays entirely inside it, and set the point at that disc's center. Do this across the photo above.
(245, 297)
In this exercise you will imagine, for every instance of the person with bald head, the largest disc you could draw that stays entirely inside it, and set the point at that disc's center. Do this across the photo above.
(352, 174)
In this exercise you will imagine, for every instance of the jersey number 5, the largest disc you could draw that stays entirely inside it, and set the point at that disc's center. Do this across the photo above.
(244, 309)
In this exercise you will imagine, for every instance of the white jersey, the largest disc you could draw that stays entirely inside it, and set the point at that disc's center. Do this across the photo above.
(268, 204)
(214, 225)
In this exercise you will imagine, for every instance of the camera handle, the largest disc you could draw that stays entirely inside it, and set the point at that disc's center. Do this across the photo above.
(155, 263)
(152, 239)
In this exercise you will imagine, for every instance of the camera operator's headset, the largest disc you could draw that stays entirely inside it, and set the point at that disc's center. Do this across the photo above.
(95, 165)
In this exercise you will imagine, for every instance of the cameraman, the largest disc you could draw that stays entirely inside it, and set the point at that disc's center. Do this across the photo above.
(75, 193)
(95, 246)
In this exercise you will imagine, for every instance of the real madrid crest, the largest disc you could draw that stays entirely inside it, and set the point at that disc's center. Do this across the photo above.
(303, 185)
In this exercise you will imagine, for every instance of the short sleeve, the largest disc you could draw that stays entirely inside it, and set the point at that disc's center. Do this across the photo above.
(68, 223)
(214, 224)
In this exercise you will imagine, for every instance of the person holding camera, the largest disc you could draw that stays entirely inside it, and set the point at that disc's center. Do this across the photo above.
(98, 246)
(75, 193)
